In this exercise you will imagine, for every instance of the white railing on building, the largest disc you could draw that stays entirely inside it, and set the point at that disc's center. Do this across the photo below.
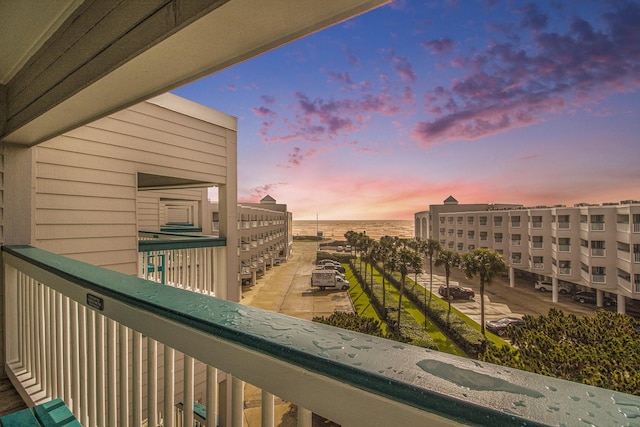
(636, 227)
(564, 248)
(516, 242)
(597, 252)
(598, 278)
(597, 226)
(184, 261)
(565, 271)
(123, 351)
(622, 227)
(564, 225)
(537, 245)
(538, 265)
(636, 257)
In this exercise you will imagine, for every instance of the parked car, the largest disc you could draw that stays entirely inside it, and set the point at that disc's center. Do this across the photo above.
(337, 268)
(328, 261)
(500, 326)
(544, 286)
(590, 298)
(339, 249)
(456, 292)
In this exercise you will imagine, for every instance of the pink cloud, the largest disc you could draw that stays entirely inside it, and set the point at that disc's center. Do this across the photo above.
(507, 87)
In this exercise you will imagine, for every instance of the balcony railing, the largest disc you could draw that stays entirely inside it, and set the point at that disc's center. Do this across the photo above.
(636, 227)
(72, 328)
(538, 265)
(536, 245)
(597, 251)
(564, 225)
(564, 270)
(636, 257)
(598, 278)
(597, 226)
(185, 261)
(564, 248)
(622, 227)
(515, 242)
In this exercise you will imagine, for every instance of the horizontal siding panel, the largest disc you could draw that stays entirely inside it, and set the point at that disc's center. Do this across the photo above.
(85, 174)
(181, 159)
(85, 203)
(49, 186)
(59, 156)
(106, 258)
(207, 135)
(46, 216)
(170, 116)
(129, 136)
(46, 231)
(74, 246)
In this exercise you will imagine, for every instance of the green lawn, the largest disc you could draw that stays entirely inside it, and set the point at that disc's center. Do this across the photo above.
(364, 308)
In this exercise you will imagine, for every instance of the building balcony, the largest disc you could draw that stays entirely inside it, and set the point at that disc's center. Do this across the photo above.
(564, 225)
(565, 271)
(622, 227)
(598, 278)
(71, 328)
(537, 245)
(598, 252)
(564, 248)
(636, 227)
(636, 257)
(597, 226)
(180, 260)
(538, 265)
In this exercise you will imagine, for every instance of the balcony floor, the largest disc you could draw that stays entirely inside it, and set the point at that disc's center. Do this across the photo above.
(10, 400)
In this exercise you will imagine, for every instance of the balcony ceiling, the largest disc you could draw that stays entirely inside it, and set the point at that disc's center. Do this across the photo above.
(68, 62)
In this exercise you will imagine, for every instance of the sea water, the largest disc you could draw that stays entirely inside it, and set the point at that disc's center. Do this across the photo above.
(336, 229)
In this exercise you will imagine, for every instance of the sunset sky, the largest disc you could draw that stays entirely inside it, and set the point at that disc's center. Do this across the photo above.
(489, 101)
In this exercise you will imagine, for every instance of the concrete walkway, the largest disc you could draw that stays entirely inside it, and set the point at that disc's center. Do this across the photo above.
(492, 310)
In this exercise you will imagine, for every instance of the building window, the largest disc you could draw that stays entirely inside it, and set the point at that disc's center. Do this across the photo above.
(483, 220)
(497, 221)
(538, 262)
(564, 267)
(460, 233)
(598, 274)
(597, 222)
(450, 245)
(471, 247)
(460, 246)
(516, 257)
(497, 237)
(471, 234)
(536, 242)
(597, 248)
(536, 222)
(564, 244)
(516, 240)
(636, 283)
(624, 275)
(483, 235)
(442, 220)
(515, 221)
(563, 222)
(459, 220)
(442, 231)
(470, 220)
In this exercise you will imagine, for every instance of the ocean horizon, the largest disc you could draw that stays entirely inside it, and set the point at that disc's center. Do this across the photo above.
(336, 229)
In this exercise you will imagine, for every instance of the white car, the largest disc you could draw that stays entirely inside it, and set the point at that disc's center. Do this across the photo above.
(544, 286)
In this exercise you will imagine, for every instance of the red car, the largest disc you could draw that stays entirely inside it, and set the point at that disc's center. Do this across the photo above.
(456, 292)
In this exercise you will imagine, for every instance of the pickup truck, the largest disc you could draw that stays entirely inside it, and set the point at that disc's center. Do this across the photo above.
(324, 279)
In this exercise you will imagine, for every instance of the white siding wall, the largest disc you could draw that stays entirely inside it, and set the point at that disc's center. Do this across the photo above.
(87, 204)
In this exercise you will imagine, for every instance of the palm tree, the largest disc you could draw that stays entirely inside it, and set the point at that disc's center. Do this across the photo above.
(372, 257)
(484, 263)
(430, 248)
(404, 258)
(387, 249)
(447, 259)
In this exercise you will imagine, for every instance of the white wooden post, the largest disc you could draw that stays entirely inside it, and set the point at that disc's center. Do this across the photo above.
(212, 396)
(152, 382)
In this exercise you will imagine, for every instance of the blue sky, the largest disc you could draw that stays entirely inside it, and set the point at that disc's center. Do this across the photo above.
(489, 101)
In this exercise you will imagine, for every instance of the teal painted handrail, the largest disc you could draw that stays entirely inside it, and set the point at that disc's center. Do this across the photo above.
(169, 241)
(463, 390)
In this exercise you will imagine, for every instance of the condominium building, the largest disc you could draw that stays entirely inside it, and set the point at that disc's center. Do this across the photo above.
(265, 236)
(594, 246)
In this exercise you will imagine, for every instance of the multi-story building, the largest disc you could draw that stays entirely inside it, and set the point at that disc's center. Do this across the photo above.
(265, 236)
(77, 321)
(594, 246)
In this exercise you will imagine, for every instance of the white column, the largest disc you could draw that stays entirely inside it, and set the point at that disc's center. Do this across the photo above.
(622, 304)
(267, 409)
(554, 289)
(512, 277)
(304, 417)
